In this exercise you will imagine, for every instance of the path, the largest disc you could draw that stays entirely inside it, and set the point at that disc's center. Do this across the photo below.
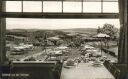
(86, 71)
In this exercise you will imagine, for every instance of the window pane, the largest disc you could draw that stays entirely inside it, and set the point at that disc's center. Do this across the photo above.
(52, 6)
(72, 6)
(73, 0)
(32, 23)
(110, 7)
(92, 7)
(99, 0)
(92, 0)
(31, 6)
(110, 0)
(13, 6)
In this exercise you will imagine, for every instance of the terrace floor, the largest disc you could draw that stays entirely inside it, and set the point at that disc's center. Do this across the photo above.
(86, 71)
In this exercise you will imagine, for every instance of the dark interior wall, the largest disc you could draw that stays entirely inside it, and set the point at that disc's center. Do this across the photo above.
(32, 71)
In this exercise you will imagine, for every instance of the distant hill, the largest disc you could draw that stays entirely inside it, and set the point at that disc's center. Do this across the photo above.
(81, 30)
(88, 31)
(21, 30)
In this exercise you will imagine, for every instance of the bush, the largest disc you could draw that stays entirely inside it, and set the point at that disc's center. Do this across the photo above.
(30, 59)
(70, 63)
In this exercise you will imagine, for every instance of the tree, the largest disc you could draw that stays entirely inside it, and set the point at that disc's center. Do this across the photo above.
(109, 29)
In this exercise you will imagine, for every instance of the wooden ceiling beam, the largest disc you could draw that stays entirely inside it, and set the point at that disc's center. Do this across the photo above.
(59, 15)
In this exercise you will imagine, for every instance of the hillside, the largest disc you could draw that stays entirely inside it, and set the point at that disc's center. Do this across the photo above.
(87, 31)
(81, 30)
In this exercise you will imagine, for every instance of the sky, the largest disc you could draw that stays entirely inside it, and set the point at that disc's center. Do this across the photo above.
(51, 6)
(58, 23)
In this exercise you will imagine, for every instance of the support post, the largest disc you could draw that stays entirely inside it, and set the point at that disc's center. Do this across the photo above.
(123, 41)
(2, 34)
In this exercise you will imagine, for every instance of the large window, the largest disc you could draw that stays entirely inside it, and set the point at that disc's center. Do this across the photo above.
(36, 39)
(27, 38)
